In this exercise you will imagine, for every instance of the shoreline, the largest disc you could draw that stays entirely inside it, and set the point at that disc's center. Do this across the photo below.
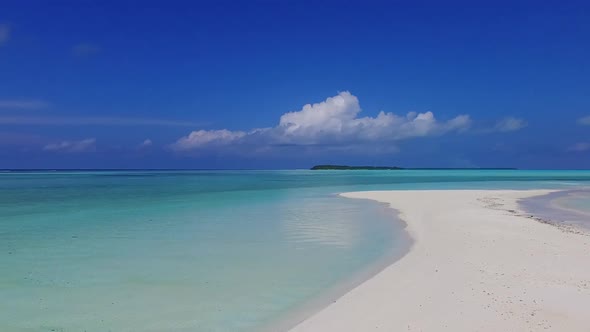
(304, 311)
(548, 209)
(503, 272)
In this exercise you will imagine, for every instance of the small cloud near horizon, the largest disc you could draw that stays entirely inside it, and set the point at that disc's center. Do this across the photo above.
(85, 49)
(579, 147)
(146, 143)
(584, 121)
(4, 33)
(510, 124)
(85, 145)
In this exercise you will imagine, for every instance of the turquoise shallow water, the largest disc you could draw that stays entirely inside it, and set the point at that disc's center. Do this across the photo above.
(579, 202)
(199, 250)
(570, 207)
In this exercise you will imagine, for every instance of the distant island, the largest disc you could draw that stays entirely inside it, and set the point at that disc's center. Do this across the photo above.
(384, 168)
(344, 167)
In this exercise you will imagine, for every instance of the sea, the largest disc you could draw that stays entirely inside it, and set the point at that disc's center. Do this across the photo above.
(212, 250)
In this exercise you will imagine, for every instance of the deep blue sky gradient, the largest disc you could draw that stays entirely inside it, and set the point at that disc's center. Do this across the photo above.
(240, 65)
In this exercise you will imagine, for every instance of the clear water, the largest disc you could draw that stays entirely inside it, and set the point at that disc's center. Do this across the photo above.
(569, 207)
(199, 250)
(579, 201)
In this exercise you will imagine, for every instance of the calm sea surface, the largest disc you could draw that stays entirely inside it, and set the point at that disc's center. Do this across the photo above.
(202, 250)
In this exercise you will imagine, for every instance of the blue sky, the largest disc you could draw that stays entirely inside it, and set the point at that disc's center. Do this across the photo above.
(225, 84)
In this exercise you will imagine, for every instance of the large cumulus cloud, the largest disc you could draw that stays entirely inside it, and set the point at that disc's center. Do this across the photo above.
(335, 121)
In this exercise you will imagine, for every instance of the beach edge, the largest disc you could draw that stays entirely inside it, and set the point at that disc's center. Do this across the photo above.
(343, 314)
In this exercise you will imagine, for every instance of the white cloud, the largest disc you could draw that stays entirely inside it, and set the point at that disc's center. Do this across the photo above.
(85, 49)
(84, 145)
(579, 147)
(200, 138)
(22, 104)
(510, 124)
(585, 121)
(146, 143)
(4, 33)
(334, 121)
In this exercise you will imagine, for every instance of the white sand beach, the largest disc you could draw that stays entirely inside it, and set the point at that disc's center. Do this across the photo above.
(477, 264)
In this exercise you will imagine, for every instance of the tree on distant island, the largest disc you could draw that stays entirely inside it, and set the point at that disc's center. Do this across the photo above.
(385, 168)
(344, 167)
